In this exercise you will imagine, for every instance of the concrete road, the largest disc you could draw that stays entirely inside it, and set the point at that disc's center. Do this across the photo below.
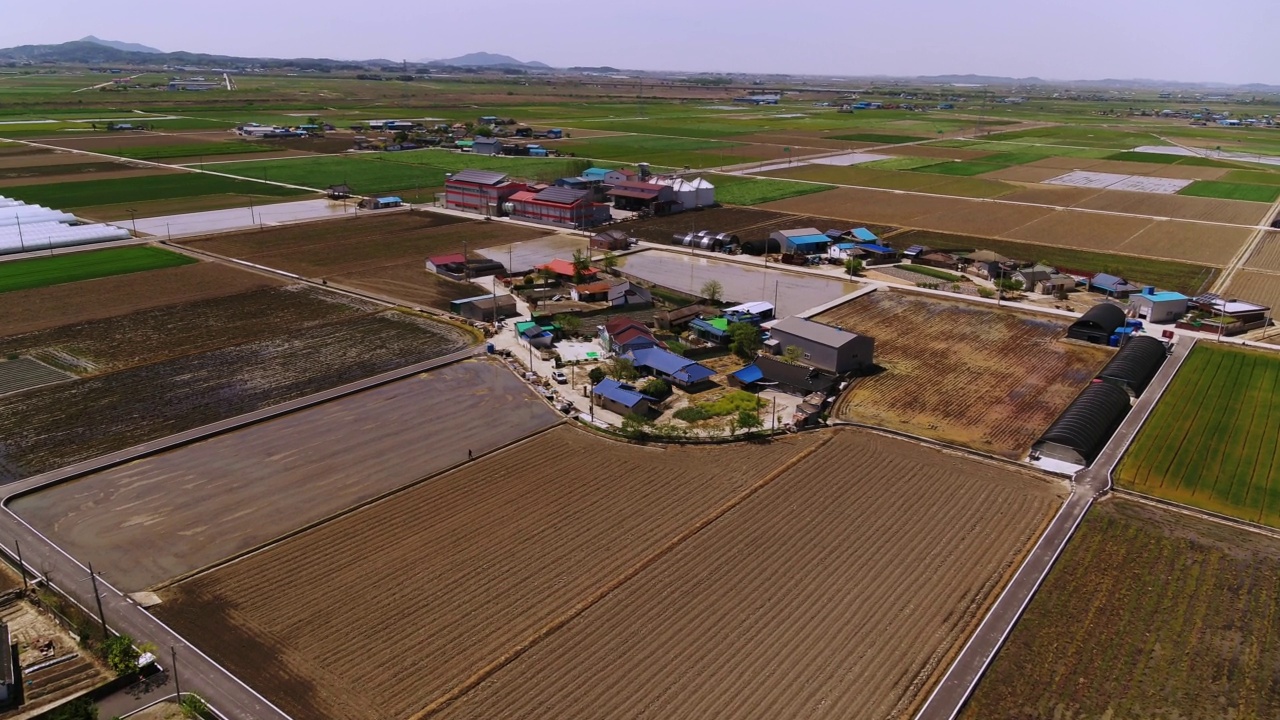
(198, 672)
(957, 685)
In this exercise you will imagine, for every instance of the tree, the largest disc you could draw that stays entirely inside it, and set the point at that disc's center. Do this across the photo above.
(193, 707)
(749, 421)
(121, 655)
(986, 292)
(609, 262)
(79, 709)
(581, 264)
(793, 354)
(571, 325)
(853, 266)
(744, 340)
(596, 375)
(712, 290)
(546, 274)
(622, 369)
(656, 387)
(484, 131)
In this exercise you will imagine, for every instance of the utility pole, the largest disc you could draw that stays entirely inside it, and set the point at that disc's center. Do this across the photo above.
(21, 243)
(774, 415)
(22, 568)
(133, 216)
(177, 689)
(98, 597)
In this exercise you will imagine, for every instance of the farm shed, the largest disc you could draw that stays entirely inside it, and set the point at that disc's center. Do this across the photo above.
(629, 294)
(678, 370)
(485, 308)
(616, 176)
(825, 347)
(1155, 307)
(441, 263)
(766, 372)
(1112, 286)
(1082, 430)
(597, 291)
(621, 398)
(802, 241)
(1097, 324)
(1133, 366)
(757, 248)
(479, 191)
(486, 146)
(755, 312)
(610, 240)
(596, 173)
(534, 334)
(878, 254)
(338, 192)
(382, 203)
(630, 195)
(558, 206)
(674, 320)
(943, 260)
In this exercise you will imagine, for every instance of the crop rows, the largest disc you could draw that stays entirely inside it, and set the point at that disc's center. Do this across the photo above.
(51, 427)
(453, 574)
(962, 373)
(1210, 442)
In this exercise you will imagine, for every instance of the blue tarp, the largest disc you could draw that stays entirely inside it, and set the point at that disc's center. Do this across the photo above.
(865, 235)
(749, 374)
(389, 200)
(808, 240)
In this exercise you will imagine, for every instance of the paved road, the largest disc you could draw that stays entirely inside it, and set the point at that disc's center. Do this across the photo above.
(198, 672)
(949, 697)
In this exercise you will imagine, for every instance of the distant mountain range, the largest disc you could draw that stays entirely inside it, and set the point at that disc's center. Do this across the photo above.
(127, 47)
(484, 59)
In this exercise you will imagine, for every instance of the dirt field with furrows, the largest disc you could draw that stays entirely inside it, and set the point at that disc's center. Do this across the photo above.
(1193, 242)
(408, 282)
(1180, 207)
(955, 215)
(39, 159)
(801, 142)
(53, 426)
(1148, 614)
(173, 513)
(1058, 195)
(457, 573)
(149, 336)
(962, 372)
(25, 311)
(1024, 173)
(830, 593)
(1266, 256)
(1089, 231)
(1257, 287)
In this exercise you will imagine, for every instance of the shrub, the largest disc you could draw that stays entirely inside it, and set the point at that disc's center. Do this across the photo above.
(120, 654)
(656, 388)
(596, 375)
(693, 413)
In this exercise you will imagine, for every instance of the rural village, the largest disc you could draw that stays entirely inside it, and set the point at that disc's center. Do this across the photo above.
(570, 393)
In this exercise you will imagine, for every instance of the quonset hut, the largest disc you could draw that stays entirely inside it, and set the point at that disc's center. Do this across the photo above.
(1082, 430)
(1097, 324)
(1133, 367)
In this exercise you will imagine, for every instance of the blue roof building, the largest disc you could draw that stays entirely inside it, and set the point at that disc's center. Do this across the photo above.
(802, 241)
(1154, 306)
(667, 365)
(1112, 286)
(621, 398)
(864, 235)
(595, 173)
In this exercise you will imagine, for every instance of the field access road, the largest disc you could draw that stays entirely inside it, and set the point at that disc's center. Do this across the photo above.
(198, 672)
(949, 697)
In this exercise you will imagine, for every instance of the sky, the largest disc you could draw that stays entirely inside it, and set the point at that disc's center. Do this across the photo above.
(1183, 40)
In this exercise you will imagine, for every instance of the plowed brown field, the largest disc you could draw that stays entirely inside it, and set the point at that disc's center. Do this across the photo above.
(1256, 287)
(961, 372)
(1194, 242)
(832, 593)
(25, 311)
(1180, 207)
(930, 212)
(436, 583)
(1050, 194)
(1024, 173)
(1266, 256)
(1089, 231)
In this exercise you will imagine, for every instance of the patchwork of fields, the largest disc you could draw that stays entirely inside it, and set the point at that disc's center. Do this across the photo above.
(1211, 441)
(86, 265)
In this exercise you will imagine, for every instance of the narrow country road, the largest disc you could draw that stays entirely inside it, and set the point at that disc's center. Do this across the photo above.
(957, 685)
(198, 673)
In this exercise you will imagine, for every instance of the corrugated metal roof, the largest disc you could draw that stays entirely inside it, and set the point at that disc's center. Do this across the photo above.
(871, 247)
(637, 194)
(480, 177)
(808, 239)
(625, 395)
(815, 331)
(865, 234)
(800, 232)
(561, 195)
(749, 374)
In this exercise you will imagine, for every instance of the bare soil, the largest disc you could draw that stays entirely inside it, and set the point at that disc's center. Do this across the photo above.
(1193, 242)
(1257, 287)
(1266, 256)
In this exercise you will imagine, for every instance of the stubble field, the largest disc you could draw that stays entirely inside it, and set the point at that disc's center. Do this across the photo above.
(1148, 614)
(960, 372)
(1256, 287)
(737, 582)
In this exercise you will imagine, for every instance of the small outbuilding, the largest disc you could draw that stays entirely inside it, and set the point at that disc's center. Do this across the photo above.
(1159, 307)
(338, 192)
(1082, 430)
(802, 241)
(621, 398)
(1097, 324)
(382, 203)
(486, 146)
(1135, 364)
(485, 308)
(612, 240)
(1112, 286)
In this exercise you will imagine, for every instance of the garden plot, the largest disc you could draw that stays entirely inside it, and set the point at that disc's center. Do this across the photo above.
(25, 373)
(1113, 181)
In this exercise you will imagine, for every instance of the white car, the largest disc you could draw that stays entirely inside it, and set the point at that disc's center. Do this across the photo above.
(559, 377)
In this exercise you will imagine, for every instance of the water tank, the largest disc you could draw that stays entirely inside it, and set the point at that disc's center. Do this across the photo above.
(508, 207)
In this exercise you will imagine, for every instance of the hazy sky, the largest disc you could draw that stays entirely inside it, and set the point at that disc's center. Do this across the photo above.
(1192, 40)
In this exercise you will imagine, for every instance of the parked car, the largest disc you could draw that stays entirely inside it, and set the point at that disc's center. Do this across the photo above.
(559, 377)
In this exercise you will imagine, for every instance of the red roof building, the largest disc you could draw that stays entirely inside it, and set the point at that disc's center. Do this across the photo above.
(479, 191)
(563, 269)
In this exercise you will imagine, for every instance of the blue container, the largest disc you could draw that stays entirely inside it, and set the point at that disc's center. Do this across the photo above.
(488, 348)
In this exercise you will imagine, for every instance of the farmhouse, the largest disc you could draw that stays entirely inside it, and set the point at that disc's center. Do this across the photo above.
(715, 330)
(534, 334)
(595, 173)
(479, 191)
(943, 260)
(564, 271)
(666, 365)
(629, 294)
(611, 177)
(1097, 324)
(675, 320)
(1213, 313)
(612, 240)
(842, 251)
(620, 335)
(621, 398)
(766, 372)
(1112, 286)
(1159, 307)
(802, 241)
(1133, 367)
(558, 206)
(824, 347)
(597, 291)
(988, 264)
(485, 308)
(1082, 430)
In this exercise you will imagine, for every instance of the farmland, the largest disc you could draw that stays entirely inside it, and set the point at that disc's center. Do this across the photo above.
(79, 266)
(382, 254)
(24, 311)
(1148, 614)
(1233, 191)
(224, 372)
(90, 193)
(466, 564)
(961, 372)
(744, 190)
(1210, 442)
(664, 151)
(581, 576)
(229, 493)
(1258, 287)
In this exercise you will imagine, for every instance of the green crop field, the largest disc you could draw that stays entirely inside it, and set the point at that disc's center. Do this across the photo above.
(1251, 177)
(91, 193)
(665, 151)
(1148, 614)
(901, 163)
(1089, 137)
(967, 168)
(1232, 191)
(1211, 440)
(879, 138)
(87, 265)
(743, 190)
(194, 150)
